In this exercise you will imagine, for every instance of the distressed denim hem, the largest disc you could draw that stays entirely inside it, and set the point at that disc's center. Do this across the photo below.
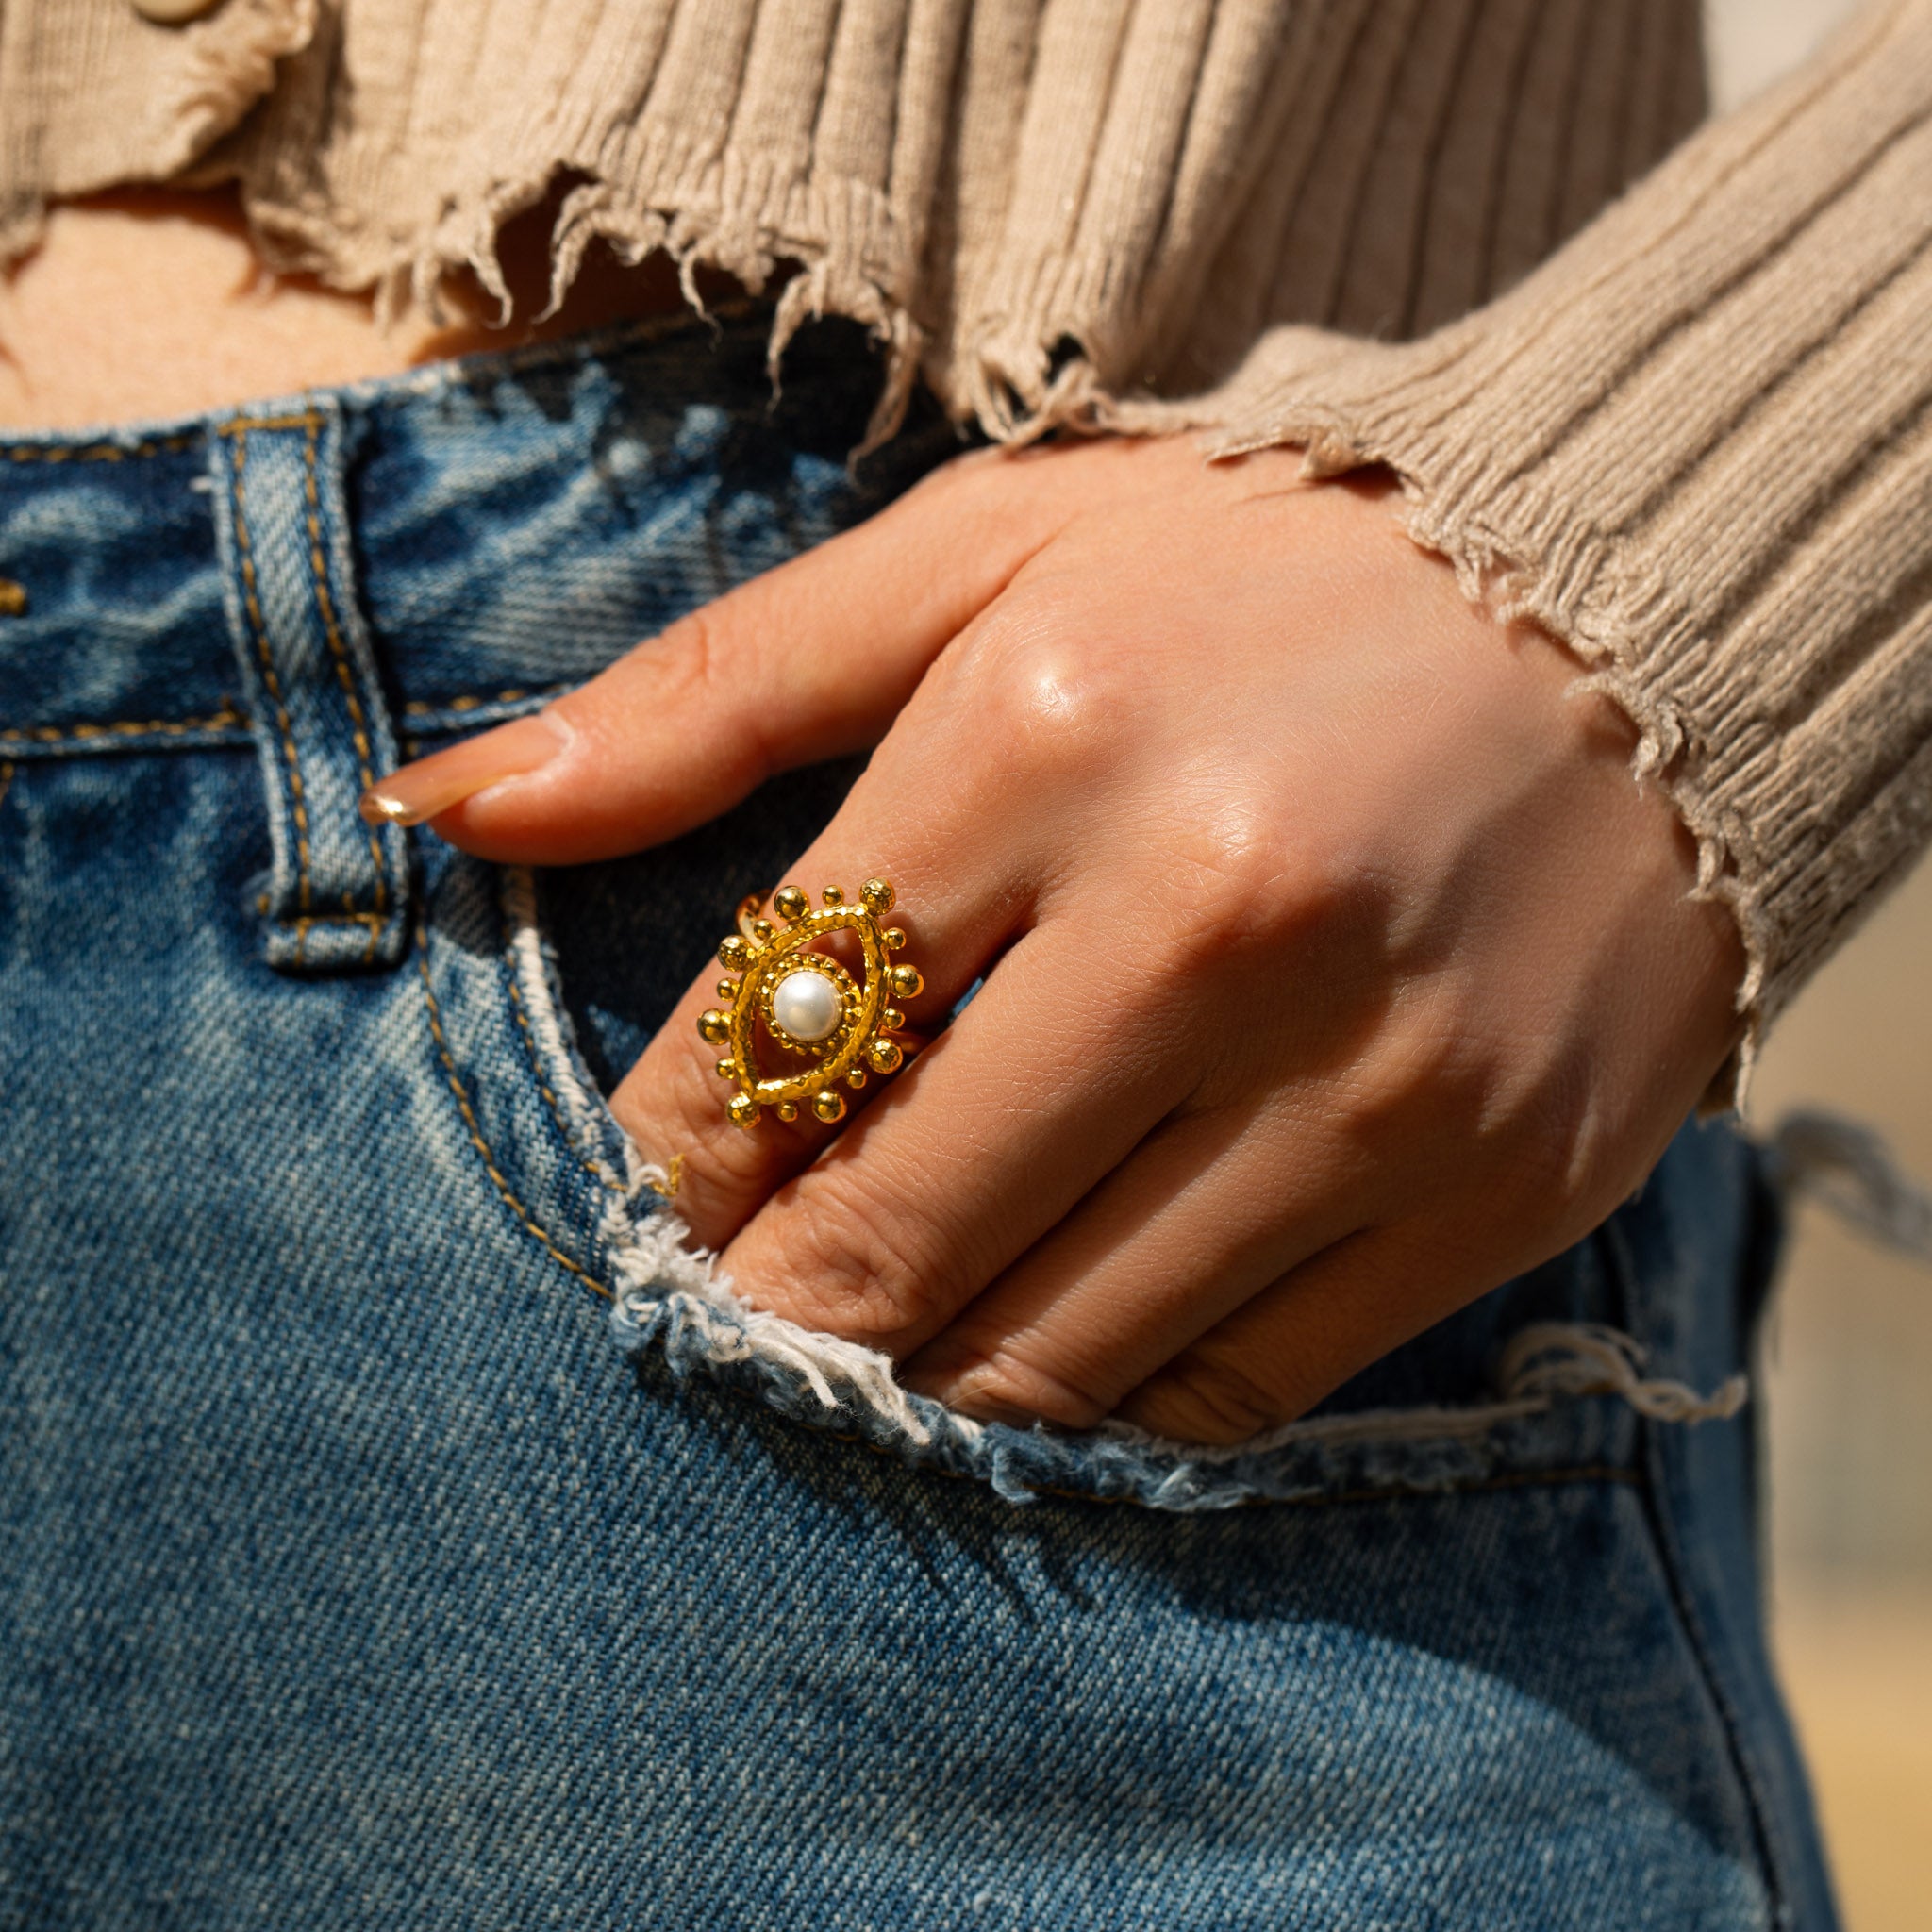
(849, 1390)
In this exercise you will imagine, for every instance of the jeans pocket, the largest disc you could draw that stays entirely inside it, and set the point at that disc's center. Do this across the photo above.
(1557, 1391)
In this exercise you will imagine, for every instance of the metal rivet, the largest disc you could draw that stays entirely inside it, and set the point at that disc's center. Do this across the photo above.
(12, 598)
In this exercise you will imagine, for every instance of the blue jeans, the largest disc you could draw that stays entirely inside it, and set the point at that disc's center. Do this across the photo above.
(398, 1528)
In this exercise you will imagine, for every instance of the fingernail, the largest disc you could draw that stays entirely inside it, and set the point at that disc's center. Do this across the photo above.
(432, 785)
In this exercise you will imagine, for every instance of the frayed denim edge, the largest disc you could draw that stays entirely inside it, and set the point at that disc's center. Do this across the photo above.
(670, 1295)
(673, 1298)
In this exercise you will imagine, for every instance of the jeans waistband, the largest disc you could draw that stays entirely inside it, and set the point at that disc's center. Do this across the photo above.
(330, 577)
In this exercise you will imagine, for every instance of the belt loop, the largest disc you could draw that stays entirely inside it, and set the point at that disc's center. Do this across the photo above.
(338, 893)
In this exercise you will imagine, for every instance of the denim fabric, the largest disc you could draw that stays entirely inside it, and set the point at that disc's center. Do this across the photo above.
(396, 1530)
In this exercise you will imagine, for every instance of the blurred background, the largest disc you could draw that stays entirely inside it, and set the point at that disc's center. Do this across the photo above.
(1848, 1384)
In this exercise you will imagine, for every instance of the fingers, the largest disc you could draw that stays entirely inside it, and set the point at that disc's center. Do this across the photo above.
(673, 1101)
(1207, 1211)
(1298, 1340)
(968, 1159)
(965, 868)
(810, 660)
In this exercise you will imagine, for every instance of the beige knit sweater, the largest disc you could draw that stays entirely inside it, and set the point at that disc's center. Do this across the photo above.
(1695, 440)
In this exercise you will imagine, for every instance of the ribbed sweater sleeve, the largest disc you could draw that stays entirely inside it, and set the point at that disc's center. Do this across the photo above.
(1696, 445)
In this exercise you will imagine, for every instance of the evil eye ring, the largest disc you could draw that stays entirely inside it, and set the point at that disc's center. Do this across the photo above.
(810, 1005)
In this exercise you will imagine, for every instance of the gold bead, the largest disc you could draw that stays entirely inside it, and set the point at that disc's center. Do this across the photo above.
(855, 1077)
(885, 1056)
(726, 1069)
(743, 1110)
(727, 989)
(877, 894)
(714, 1025)
(734, 953)
(829, 1106)
(832, 897)
(891, 1019)
(761, 929)
(790, 903)
(892, 939)
(906, 983)
(788, 1109)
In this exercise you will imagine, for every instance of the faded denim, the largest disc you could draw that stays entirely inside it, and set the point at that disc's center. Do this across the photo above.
(399, 1529)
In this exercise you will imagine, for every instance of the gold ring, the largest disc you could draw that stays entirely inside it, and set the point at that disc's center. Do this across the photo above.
(809, 1004)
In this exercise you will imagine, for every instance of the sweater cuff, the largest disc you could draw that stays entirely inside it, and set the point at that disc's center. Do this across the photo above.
(1696, 445)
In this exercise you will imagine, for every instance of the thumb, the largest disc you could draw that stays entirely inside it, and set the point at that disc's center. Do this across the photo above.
(810, 660)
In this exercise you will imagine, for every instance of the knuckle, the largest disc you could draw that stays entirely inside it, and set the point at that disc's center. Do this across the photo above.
(684, 663)
(860, 1261)
(1423, 1069)
(1563, 1161)
(1240, 888)
(1032, 695)
(702, 669)
(1533, 1125)
(675, 1114)
(998, 1386)
(1197, 1399)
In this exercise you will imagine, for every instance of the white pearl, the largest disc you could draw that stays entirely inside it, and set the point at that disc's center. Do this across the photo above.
(806, 1005)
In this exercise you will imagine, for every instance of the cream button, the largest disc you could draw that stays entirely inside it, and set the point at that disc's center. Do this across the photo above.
(173, 12)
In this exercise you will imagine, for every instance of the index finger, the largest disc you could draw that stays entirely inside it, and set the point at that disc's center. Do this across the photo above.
(810, 660)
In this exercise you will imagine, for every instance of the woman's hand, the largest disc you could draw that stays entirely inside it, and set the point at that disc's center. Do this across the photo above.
(1342, 969)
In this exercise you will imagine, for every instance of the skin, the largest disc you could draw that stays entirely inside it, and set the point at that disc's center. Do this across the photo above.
(150, 303)
(1338, 968)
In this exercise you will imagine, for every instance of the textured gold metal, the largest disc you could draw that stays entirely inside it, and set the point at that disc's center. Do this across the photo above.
(766, 954)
